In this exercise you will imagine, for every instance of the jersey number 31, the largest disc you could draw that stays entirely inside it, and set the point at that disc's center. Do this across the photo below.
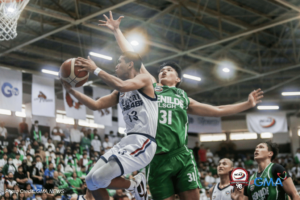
(166, 117)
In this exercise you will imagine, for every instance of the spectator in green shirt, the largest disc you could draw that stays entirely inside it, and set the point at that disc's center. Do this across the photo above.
(86, 141)
(248, 162)
(13, 153)
(82, 173)
(76, 183)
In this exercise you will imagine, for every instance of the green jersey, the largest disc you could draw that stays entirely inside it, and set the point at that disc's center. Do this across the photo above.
(172, 118)
(265, 192)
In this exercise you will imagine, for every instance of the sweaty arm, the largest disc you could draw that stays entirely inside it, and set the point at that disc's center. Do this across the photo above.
(197, 108)
(104, 102)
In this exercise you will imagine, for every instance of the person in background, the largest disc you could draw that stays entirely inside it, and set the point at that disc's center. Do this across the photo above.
(50, 145)
(45, 138)
(61, 147)
(84, 162)
(49, 171)
(202, 153)
(21, 177)
(3, 161)
(28, 195)
(96, 143)
(9, 167)
(248, 162)
(195, 151)
(35, 131)
(37, 171)
(2, 184)
(17, 161)
(3, 131)
(75, 136)
(112, 138)
(3, 151)
(209, 180)
(13, 153)
(107, 144)
(95, 132)
(57, 134)
(17, 141)
(82, 173)
(209, 155)
(35, 145)
(76, 183)
(30, 150)
(86, 141)
(23, 129)
(10, 182)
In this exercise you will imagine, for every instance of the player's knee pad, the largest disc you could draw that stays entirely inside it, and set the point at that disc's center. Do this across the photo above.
(89, 182)
(101, 178)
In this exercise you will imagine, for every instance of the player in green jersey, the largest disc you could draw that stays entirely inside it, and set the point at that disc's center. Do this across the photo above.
(264, 154)
(173, 169)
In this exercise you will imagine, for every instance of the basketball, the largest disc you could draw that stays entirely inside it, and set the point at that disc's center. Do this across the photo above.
(70, 73)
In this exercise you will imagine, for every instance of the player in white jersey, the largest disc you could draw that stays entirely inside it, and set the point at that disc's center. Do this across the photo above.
(135, 94)
(223, 190)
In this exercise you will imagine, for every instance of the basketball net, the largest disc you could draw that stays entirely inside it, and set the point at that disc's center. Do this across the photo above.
(10, 11)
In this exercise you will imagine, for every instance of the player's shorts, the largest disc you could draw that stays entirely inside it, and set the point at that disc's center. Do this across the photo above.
(173, 173)
(133, 152)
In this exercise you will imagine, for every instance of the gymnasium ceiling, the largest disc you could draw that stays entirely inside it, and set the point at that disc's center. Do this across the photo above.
(261, 37)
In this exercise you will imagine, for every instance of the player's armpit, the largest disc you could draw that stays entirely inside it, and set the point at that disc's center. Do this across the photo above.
(290, 189)
(145, 71)
(107, 101)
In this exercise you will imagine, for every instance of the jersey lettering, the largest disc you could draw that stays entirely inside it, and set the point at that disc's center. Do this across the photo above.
(132, 102)
(169, 102)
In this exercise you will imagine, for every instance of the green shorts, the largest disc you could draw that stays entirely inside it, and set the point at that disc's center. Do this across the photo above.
(173, 173)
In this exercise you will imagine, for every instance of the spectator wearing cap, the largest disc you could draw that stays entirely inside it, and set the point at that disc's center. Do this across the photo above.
(3, 131)
(23, 129)
(57, 134)
(3, 161)
(2, 183)
(17, 161)
(9, 167)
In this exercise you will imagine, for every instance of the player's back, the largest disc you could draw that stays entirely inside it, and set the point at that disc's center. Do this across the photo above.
(222, 194)
(172, 118)
(140, 112)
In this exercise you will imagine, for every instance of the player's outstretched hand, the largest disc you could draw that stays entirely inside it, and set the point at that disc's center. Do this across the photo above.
(86, 64)
(255, 97)
(110, 22)
(237, 194)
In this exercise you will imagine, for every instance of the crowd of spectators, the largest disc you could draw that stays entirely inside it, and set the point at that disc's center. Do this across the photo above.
(39, 165)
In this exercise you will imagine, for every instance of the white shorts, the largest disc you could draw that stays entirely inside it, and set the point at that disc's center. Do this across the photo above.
(133, 152)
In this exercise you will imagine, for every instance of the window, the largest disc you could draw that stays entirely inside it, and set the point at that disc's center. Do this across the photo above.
(243, 136)
(90, 123)
(266, 135)
(213, 137)
(5, 112)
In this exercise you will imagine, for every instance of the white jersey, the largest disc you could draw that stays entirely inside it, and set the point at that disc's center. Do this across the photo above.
(80, 197)
(140, 112)
(222, 194)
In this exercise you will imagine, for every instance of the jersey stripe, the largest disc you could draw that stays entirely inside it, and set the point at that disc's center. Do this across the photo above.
(196, 171)
(142, 148)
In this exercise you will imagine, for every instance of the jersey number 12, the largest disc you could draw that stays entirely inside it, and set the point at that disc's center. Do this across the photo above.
(166, 117)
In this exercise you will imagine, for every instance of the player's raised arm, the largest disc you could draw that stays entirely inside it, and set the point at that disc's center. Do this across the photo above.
(138, 82)
(104, 102)
(114, 26)
(197, 108)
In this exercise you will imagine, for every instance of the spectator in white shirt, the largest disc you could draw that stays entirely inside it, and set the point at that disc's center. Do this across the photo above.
(31, 150)
(17, 161)
(296, 171)
(96, 143)
(209, 180)
(3, 131)
(45, 138)
(107, 144)
(209, 155)
(2, 182)
(57, 134)
(61, 148)
(75, 135)
(3, 161)
(18, 140)
(112, 138)
(49, 143)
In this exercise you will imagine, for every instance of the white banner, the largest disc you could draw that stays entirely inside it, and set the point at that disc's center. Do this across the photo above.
(199, 124)
(11, 90)
(103, 116)
(273, 122)
(43, 96)
(73, 107)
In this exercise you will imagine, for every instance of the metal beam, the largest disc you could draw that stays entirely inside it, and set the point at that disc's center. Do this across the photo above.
(226, 39)
(288, 5)
(247, 79)
(76, 22)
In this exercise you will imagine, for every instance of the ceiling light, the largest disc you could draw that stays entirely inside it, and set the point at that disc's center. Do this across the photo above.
(192, 77)
(5, 112)
(226, 70)
(267, 107)
(134, 43)
(49, 72)
(100, 56)
(11, 9)
(290, 93)
(61, 112)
